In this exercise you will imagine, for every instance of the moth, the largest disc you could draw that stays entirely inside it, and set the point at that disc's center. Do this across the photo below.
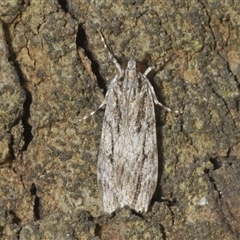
(128, 156)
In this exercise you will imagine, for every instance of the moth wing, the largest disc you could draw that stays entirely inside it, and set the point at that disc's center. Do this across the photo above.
(106, 158)
(136, 153)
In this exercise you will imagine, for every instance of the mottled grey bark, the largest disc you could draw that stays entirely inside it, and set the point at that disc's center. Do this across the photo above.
(54, 70)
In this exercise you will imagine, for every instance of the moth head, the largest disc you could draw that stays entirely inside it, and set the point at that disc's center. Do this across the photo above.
(131, 72)
(131, 66)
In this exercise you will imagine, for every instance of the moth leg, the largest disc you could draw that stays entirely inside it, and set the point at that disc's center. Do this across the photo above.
(111, 56)
(92, 113)
(160, 104)
(148, 70)
(157, 66)
(157, 102)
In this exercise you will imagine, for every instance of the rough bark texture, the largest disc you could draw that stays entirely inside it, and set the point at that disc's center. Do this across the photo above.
(54, 70)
